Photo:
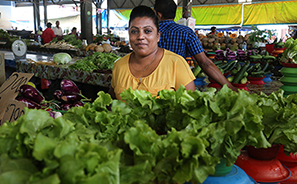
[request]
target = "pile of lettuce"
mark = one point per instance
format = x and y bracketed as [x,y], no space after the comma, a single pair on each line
[170,138]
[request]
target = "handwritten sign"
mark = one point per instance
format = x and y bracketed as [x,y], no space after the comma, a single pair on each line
[10,89]
[13,111]
[2,69]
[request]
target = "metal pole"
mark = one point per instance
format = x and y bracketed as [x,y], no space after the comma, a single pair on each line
[36,15]
[45,12]
[86,20]
[99,17]
[107,12]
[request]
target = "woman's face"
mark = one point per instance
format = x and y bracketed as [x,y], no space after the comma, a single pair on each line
[143,36]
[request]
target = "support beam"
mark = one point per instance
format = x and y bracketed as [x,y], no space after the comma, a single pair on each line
[108,16]
[186,8]
[86,20]
[36,14]
[45,13]
[98,17]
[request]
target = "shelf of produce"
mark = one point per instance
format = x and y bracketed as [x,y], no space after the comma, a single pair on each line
[52,72]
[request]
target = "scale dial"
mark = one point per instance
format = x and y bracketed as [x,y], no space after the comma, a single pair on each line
[19,48]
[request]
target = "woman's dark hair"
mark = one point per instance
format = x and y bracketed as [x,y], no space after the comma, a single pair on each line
[74,28]
[144,11]
[49,25]
[166,7]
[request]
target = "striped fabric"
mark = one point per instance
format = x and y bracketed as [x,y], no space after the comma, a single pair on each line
[179,39]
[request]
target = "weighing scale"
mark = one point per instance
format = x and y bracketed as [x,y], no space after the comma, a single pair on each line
[19,49]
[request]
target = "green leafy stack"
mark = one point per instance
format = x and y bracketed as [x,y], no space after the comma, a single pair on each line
[174,137]
[96,61]
[290,54]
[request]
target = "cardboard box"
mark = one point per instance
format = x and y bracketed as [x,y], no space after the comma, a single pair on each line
[11,109]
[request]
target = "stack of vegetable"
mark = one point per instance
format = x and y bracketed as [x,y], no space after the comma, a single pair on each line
[198,72]
[260,69]
[278,44]
[230,55]
[35,100]
[70,40]
[226,67]
[241,55]
[96,61]
[290,54]
[268,58]
[69,95]
[31,96]
[254,57]
[220,55]
[239,74]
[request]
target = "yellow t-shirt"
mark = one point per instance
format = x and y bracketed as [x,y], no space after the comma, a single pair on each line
[172,71]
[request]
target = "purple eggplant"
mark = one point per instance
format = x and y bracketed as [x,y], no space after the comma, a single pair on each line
[66,106]
[78,103]
[31,93]
[71,97]
[31,104]
[69,86]
[58,94]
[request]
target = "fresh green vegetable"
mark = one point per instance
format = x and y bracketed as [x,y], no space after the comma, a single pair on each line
[241,72]
[96,61]
[196,70]
[62,58]
[290,54]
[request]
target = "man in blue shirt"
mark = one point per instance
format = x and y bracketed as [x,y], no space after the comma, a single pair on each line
[182,40]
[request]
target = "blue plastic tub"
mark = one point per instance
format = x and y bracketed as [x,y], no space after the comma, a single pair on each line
[267,78]
[200,81]
[236,176]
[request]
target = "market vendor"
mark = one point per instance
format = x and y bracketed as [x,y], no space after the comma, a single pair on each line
[182,40]
[149,67]
[48,34]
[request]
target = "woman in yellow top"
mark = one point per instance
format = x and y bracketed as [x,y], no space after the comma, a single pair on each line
[149,67]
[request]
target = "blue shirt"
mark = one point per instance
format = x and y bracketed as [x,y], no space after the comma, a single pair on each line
[179,39]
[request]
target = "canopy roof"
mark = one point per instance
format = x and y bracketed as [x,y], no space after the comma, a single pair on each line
[129,4]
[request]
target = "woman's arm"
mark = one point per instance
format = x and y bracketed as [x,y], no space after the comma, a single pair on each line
[111,92]
[212,70]
[190,86]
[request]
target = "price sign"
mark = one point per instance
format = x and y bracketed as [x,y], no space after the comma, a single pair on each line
[10,89]
[2,69]
[13,111]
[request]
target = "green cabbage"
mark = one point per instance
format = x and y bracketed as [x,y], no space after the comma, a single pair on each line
[62,58]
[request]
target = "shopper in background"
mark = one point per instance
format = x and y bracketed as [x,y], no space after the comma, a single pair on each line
[213,30]
[48,34]
[58,30]
[149,67]
[74,32]
[182,40]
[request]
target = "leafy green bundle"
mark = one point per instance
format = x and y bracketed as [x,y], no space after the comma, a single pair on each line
[96,61]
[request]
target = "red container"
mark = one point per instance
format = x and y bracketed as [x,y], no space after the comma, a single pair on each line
[269,48]
[293,178]
[241,86]
[289,65]
[263,171]
[263,153]
[214,84]
[256,80]
[289,161]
